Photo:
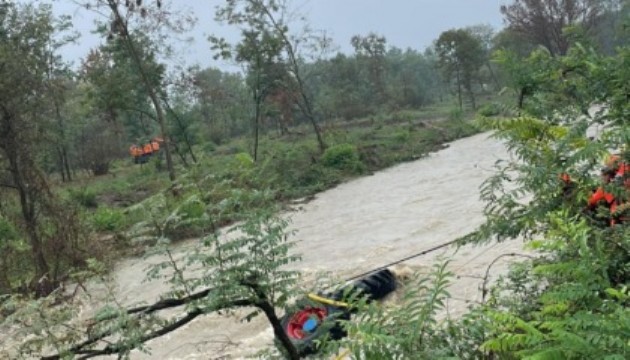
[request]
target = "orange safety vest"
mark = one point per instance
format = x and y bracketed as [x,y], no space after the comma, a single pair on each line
[148,149]
[135,151]
[613,206]
[599,195]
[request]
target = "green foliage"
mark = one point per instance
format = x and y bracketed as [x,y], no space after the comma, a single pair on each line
[7,230]
[456,114]
[409,329]
[291,171]
[244,160]
[14,249]
[571,302]
[241,266]
[85,197]
[240,263]
[488,110]
[460,55]
[107,219]
[343,157]
[535,20]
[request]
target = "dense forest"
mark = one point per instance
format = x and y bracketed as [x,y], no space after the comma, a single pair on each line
[125,154]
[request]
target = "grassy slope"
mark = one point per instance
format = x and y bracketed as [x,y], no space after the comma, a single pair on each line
[227,182]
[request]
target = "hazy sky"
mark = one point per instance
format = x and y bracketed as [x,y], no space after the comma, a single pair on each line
[404,23]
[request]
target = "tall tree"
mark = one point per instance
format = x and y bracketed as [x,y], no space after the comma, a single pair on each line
[273,15]
[260,53]
[341,90]
[460,57]
[60,81]
[119,99]
[25,31]
[372,49]
[543,22]
[147,17]
[119,28]
[485,35]
[220,100]
[412,79]
[261,50]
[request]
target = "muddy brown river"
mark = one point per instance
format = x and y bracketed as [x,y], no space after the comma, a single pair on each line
[357,226]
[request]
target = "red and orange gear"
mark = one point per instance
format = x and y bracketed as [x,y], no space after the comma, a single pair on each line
[147,149]
[601,195]
[135,151]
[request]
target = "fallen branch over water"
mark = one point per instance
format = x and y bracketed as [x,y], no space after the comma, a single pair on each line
[84,348]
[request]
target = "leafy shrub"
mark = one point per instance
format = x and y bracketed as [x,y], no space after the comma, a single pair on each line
[488,110]
[188,219]
[7,230]
[403,116]
[343,157]
[86,197]
[285,165]
[191,209]
[209,147]
[407,331]
[402,136]
[244,160]
[106,219]
[456,114]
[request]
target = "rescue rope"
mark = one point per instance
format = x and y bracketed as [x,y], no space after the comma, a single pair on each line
[324,300]
[402,260]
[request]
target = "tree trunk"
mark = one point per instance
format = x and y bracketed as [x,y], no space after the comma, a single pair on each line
[459,92]
[145,79]
[5,283]
[493,75]
[278,331]
[258,101]
[185,135]
[471,94]
[62,169]
[263,304]
[306,107]
[521,97]
[162,122]
[20,165]
[63,154]
[66,163]
[42,284]
[181,156]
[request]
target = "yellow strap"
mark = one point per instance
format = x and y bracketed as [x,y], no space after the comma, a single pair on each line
[327,301]
[343,355]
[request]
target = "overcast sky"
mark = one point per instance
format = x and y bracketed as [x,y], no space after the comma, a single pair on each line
[404,23]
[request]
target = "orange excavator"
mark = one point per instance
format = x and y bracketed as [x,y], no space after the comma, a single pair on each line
[142,153]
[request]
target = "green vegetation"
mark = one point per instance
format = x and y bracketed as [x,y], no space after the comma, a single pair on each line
[237,147]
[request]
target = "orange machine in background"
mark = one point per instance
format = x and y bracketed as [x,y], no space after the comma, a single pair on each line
[142,153]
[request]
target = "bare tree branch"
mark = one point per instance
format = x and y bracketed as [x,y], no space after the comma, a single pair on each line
[113,348]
